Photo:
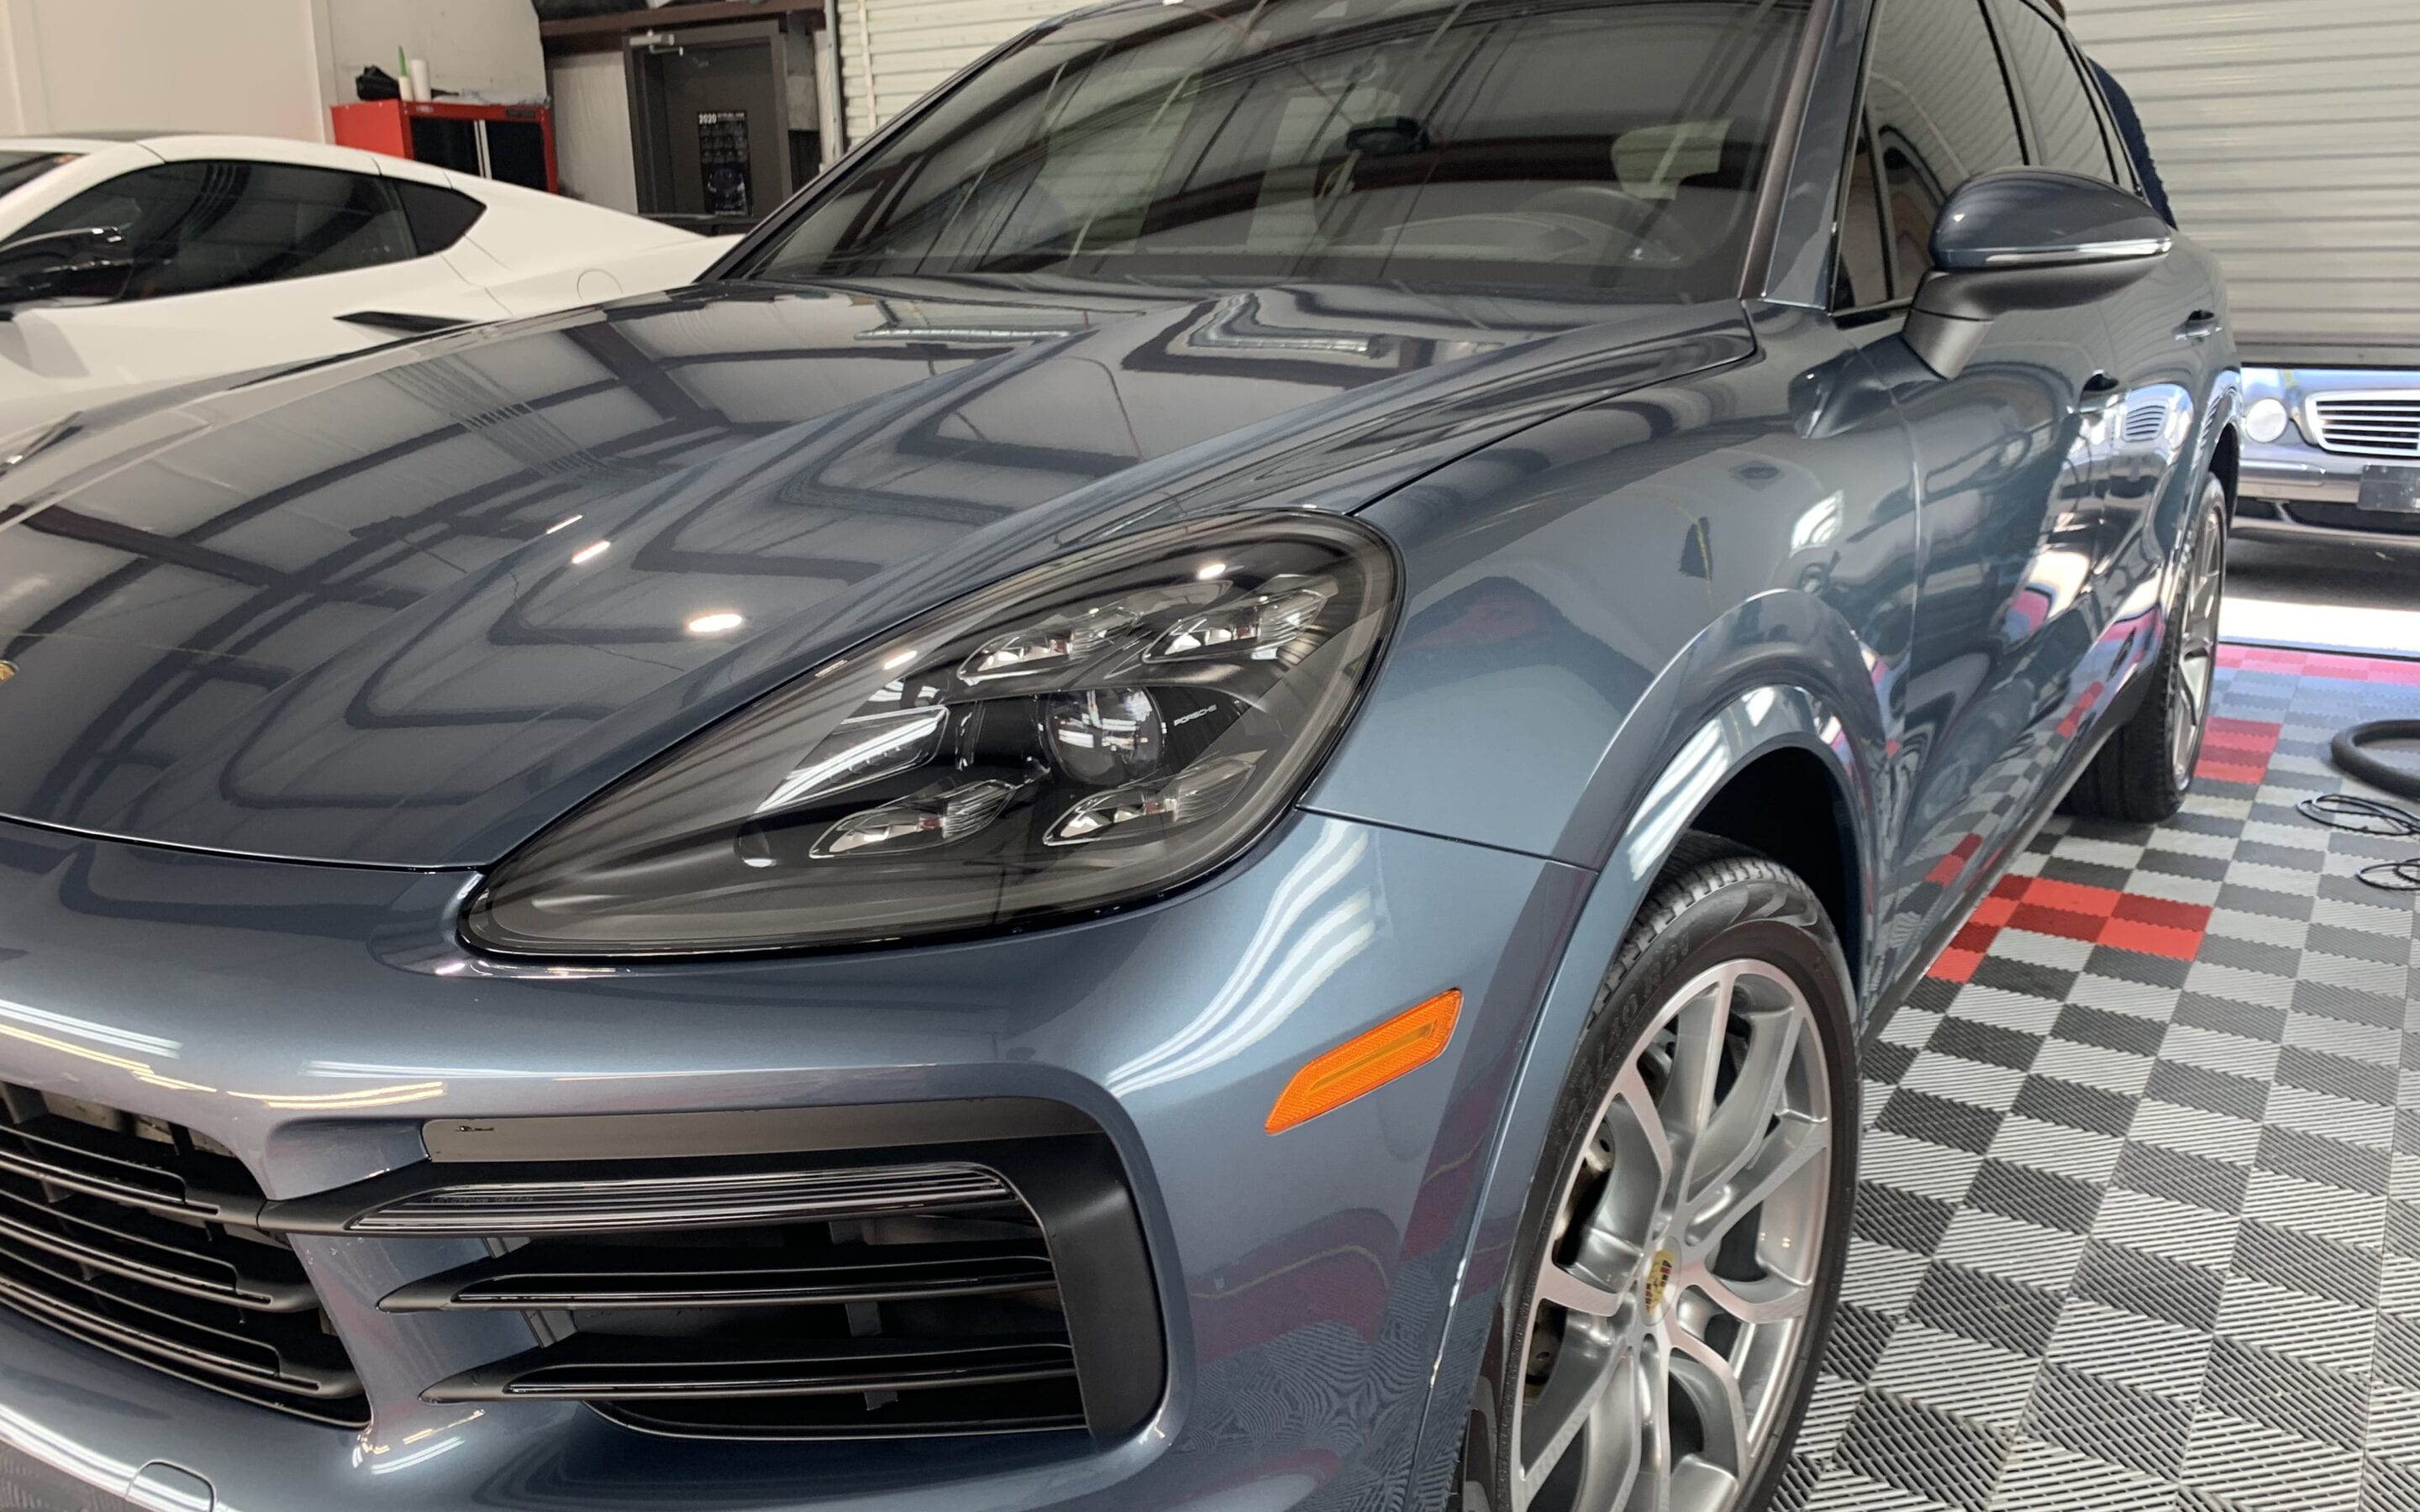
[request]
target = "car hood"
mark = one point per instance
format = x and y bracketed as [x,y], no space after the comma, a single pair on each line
[405,608]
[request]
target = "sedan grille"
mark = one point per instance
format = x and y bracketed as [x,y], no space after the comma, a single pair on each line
[2367,425]
[136,1236]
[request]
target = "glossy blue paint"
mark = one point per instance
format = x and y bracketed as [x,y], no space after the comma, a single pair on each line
[406,611]
[297,660]
[311,1017]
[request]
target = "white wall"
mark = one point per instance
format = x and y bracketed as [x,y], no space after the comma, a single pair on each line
[2289,139]
[16,115]
[591,129]
[249,66]
[481,48]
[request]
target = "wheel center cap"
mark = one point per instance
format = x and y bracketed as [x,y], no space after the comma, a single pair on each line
[1659,1280]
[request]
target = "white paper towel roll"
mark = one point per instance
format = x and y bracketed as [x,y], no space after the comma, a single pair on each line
[419,70]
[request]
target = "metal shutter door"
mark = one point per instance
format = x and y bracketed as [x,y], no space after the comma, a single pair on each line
[893,52]
[2290,138]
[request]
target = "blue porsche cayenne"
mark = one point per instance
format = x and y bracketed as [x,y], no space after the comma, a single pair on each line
[1189,800]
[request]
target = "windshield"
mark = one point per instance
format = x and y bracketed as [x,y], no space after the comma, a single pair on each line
[20,168]
[1610,144]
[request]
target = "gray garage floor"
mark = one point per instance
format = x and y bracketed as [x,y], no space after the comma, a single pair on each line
[2139,1223]
[2348,597]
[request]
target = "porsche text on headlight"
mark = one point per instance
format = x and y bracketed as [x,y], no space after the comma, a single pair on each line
[1091,732]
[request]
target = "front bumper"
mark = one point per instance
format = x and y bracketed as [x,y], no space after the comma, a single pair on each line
[2294,492]
[311,1018]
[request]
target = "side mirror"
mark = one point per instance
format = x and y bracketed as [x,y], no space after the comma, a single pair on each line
[85,262]
[2028,239]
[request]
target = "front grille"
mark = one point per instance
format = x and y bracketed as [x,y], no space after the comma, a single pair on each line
[879,1323]
[2367,425]
[908,1293]
[136,1236]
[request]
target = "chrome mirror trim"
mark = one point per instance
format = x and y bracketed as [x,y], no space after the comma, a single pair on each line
[2084,254]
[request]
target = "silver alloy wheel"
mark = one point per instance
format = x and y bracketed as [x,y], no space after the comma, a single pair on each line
[1672,1300]
[2197,674]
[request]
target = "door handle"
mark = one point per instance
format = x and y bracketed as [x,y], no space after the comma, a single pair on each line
[2100,397]
[2200,326]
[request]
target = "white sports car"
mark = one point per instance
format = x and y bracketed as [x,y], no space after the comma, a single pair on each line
[127,262]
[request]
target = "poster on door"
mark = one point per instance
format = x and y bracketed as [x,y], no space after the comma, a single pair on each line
[723,161]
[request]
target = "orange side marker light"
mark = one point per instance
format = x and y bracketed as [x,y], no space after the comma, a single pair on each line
[1368,1061]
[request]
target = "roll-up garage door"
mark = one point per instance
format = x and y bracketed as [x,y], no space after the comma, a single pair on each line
[2288,133]
[893,51]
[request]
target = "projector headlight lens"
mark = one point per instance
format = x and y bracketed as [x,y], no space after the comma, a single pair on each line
[1093,733]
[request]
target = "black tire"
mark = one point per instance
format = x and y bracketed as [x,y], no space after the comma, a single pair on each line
[2137,778]
[1715,902]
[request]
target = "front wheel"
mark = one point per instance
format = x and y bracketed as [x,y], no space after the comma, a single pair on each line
[1681,1250]
[2142,775]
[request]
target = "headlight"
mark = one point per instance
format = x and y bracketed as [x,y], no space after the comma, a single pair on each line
[2265,421]
[1092,733]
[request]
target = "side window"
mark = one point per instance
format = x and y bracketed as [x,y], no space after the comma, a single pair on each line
[1861,276]
[1941,113]
[2066,128]
[438,216]
[195,226]
[2129,177]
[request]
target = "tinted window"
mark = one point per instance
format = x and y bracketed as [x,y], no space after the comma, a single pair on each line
[18,169]
[2066,130]
[2130,175]
[192,226]
[1941,114]
[1531,140]
[1862,276]
[438,216]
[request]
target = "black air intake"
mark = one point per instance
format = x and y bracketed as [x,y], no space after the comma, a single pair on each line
[978,1286]
[137,1237]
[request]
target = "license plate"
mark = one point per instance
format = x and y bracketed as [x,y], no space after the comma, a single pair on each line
[2391,490]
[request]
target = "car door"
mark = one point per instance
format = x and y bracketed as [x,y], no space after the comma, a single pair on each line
[233,263]
[2009,466]
[2162,330]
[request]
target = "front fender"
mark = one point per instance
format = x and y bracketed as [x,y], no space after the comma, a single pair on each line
[1582,597]
[1746,726]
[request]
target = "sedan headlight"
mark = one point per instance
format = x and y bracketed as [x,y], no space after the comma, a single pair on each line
[1089,733]
[2265,420]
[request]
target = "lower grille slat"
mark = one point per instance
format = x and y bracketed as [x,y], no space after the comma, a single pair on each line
[641,1203]
[586,1367]
[614,1277]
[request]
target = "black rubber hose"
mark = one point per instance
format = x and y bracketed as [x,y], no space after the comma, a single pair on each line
[2384,774]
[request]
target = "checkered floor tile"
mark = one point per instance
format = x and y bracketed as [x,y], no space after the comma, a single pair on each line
[2138,1226]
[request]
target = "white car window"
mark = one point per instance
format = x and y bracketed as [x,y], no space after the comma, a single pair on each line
[198,226]
[438,216]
